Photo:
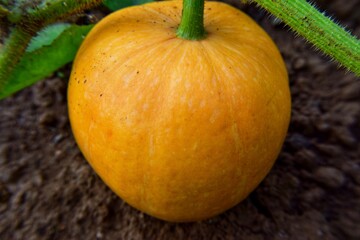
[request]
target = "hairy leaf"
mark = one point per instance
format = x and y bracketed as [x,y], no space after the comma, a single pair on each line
[45,55]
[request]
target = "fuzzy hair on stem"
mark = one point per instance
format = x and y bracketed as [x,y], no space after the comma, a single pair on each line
[306,20]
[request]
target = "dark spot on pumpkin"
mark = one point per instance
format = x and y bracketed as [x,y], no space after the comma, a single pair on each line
[85,81]
[101,95]
[209,9]
[137,72]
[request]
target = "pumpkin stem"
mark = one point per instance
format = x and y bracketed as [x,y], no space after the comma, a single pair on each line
[192,20]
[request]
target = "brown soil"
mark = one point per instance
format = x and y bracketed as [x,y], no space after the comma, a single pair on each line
[48,190]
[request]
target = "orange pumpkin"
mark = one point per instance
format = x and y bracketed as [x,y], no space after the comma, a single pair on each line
[182,130]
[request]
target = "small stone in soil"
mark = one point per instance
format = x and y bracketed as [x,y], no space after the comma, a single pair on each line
[330,150]
[299,63]
[330,177]
[47,119]
[306,158]
[58,138]
[313,195]
[344,136]
[13,174]
[351,92]
[298,141]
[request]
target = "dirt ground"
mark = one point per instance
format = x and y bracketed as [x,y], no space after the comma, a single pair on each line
[49,191]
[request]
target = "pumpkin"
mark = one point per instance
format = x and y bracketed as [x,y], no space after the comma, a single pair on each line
[181,130]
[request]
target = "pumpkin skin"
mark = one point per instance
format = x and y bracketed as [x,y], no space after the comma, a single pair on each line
[181,130]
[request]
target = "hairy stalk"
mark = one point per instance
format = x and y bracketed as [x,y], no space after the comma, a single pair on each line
[12,51]
[320,30]
[59,9]
[28,25]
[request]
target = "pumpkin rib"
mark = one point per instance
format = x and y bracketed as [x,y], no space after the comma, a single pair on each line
[219,59]
[224,88]
[154,119]
[234,125]
[151,135]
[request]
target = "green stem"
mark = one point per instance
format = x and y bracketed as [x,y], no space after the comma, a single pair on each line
[12,51]
[28,25]
[192,20]
[313,25]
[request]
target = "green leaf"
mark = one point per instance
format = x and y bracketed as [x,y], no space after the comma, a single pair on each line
[47,55]
[114,5]
[47,36]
